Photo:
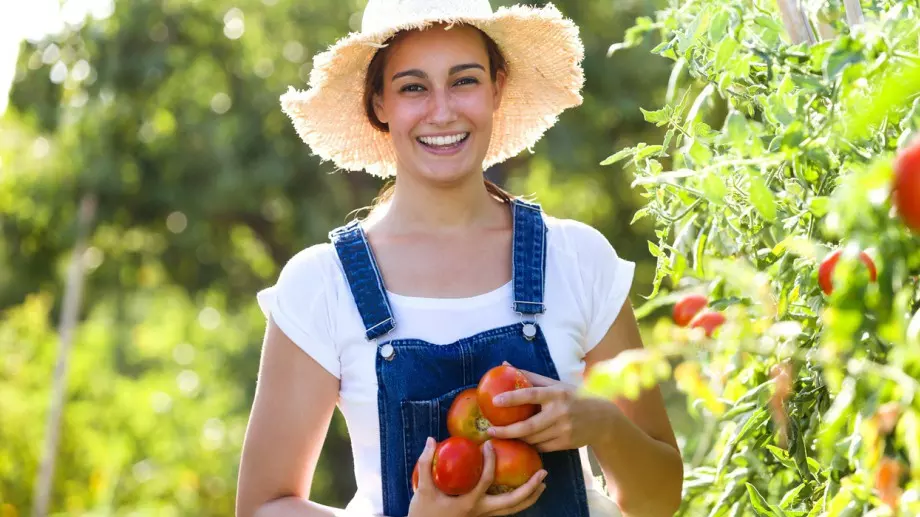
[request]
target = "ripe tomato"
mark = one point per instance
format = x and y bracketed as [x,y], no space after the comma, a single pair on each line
[826,269]
[888,481]
[708,321]
[906,189]
[465,419]
[499,380]
[687,307]
[515,463]
[456,466]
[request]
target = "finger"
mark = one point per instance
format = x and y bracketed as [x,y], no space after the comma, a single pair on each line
[552,445]
[535,424]
[536,395]
[550,433]
[527,503]
[488,470]
[502,502]
[424,465]
[539,380]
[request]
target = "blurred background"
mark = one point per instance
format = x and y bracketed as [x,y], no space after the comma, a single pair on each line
[164,117]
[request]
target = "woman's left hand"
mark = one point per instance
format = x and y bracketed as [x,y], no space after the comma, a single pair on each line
[565,421]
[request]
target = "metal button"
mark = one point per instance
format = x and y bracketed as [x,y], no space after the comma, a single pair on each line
[530,331]
[387,352]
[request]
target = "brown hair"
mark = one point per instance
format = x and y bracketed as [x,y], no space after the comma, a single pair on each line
[373,85]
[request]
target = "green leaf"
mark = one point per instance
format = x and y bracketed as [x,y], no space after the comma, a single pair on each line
[619,156]
[719,26]
[761,506]
[725,52]
[699,153]
[646,151]
[657,117]
[714,188]
[819,205]
[762,198]
[790,498]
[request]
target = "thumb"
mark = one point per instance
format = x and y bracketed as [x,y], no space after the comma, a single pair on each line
[424,481]
[488,470]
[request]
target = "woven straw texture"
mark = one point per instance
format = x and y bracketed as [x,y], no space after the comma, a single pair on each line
[542,49]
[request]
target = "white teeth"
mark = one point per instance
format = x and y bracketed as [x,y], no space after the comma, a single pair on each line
[442,140]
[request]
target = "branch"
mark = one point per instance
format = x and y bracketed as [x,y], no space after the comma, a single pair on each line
[71,308]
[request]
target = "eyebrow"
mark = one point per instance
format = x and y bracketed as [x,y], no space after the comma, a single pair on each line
[422,75]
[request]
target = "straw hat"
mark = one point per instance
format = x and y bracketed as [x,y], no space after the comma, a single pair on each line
[543,53]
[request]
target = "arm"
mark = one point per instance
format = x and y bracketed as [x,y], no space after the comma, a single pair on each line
[290,417]
[645,477]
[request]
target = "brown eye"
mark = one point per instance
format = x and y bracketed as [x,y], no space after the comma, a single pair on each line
[412,88]
[467,80]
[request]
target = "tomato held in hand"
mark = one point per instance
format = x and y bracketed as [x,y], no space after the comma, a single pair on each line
[515,463]
[826,269]
[687,307]
[456,466]
[708,321]
[499,380]
[906,189]
[465,419]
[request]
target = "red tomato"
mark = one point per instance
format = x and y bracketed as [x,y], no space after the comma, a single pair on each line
[687,307]
[456,466]
[465,419]
[906,190]
[515,463]
[499,380]
[708,321]
[826,269]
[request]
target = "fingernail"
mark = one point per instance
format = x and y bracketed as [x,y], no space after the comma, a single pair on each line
[489,445]
[543,475]
[490,431]
[506,363]
[498,400]
[429,442]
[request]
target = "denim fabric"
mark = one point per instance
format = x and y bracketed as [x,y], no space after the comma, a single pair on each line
[417,380]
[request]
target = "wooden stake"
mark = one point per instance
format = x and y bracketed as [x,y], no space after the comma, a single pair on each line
[70,310]
[854,13]
[795,21]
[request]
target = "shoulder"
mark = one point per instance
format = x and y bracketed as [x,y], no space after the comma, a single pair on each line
[575,237]
[312,266]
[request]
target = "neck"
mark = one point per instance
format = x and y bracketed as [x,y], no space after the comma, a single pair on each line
[417,206]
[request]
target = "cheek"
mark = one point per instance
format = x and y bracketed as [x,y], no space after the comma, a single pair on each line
[404,115]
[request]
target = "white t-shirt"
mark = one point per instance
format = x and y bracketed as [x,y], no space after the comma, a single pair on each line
[586,285]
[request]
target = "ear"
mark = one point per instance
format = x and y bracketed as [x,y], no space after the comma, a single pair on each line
[378,108]
[498,88]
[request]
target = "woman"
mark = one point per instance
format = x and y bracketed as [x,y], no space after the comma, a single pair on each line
[448,277]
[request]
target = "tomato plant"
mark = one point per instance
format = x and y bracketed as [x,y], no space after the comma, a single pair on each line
[499,380]
[709,321]
[774,155]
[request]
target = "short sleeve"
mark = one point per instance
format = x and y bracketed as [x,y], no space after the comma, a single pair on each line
[299,303]
[607,280]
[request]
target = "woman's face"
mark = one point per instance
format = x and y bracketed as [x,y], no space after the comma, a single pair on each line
[438,100]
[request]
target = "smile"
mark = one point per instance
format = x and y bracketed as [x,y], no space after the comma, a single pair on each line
[446,143]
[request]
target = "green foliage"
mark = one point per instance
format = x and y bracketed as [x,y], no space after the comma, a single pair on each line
[789,390]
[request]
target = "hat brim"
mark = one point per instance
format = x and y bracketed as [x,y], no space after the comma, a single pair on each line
[543,52]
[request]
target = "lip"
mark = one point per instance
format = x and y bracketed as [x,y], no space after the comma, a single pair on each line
[449,151]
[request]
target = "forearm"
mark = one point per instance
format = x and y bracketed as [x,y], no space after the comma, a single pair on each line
[297,507]
[645,474]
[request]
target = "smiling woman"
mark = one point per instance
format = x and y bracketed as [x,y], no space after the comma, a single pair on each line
[416,85]
[402,312]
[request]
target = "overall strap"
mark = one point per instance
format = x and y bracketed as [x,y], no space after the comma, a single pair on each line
[364,279]
[529,258]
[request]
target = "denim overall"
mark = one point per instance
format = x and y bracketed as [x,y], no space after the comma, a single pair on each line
[417,380]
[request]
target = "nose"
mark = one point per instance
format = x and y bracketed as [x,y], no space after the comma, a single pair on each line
[441,109]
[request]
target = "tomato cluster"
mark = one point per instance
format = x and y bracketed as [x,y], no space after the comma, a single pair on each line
[458,461]
[691,310]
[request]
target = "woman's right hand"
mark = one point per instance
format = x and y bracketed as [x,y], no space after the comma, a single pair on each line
[428,500]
